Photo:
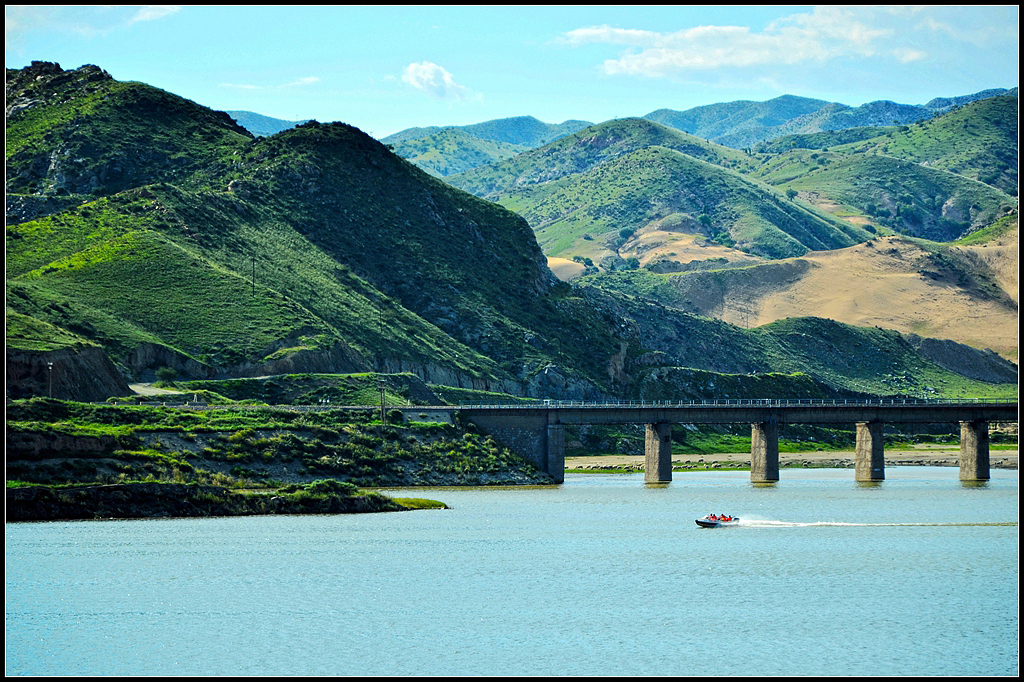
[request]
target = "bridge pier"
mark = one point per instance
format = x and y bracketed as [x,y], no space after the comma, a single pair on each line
[658,453]
[870,457]
[974,451]
[555,452]
[764,452]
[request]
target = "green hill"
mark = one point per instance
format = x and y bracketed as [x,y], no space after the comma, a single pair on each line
[977,140]
[82,133]
[525,131]
[455,149]
[737,124]
[744,124]
[910,198]
[450,151]
[261,125]
[583,150]
[618,176]
[637,189]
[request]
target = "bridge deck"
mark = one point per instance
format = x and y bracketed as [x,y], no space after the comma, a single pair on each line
[757,411]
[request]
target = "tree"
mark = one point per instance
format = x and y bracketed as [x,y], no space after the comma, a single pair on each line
[166,374]
[791,193]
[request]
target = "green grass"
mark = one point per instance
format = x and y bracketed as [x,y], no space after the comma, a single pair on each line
[1002,227]
[27,333]
[235,447]
[912,199]
[419,503]
[637,188]
[977,141]
[454,151]
[312,389]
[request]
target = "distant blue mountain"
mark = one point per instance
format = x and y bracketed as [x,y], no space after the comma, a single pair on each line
[260,125]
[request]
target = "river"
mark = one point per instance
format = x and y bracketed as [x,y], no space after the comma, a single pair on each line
[917,575]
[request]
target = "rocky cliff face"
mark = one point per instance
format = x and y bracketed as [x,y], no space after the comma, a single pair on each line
[77,373]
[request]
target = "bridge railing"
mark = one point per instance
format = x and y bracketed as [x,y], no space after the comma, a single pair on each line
[736,402]
[594,404]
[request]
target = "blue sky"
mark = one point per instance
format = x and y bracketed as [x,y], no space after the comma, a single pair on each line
[384,69]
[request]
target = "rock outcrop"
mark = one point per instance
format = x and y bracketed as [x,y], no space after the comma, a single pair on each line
[83,373]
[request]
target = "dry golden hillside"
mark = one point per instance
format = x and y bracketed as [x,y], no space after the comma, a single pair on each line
[882,285]
[565,269]
[889,282]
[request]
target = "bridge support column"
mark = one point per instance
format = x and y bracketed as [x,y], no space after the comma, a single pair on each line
[870,457]
[764,452]
[658,454]
[556,452]
[974,451]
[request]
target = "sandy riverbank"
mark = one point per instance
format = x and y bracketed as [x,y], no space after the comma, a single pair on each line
[923,455]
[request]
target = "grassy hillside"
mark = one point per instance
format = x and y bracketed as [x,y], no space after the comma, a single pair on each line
[631,191]
[737,124]
[745,124]
[83,133]
[455,149]
[27,333]
[317,246]
[846,358]
[907,197]
[524,131]
[963,293]
[581,151]
[451,151]
[977,140]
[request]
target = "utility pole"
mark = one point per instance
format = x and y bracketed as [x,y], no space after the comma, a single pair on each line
[254,276]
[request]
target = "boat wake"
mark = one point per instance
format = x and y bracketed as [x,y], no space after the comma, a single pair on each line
[767,523]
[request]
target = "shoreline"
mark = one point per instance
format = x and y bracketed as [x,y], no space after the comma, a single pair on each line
[181,500]
[928,455]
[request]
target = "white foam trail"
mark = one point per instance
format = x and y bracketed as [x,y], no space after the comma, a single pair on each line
[768,523]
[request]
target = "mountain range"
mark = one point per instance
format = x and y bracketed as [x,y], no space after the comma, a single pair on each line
[741,125]
[162,234]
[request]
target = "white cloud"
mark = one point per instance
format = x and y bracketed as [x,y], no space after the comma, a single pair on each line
[88,21]
[153,12]
[433,79]
[306,80]
[826,33]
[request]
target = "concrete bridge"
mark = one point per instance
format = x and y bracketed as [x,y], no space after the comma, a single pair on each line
[538,431]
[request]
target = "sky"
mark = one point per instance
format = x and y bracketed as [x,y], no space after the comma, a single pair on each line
[386,68]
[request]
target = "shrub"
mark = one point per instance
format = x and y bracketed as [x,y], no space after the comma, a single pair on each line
[166,374]
[330,485]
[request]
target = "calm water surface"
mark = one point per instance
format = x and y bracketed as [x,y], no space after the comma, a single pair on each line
[602,575]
